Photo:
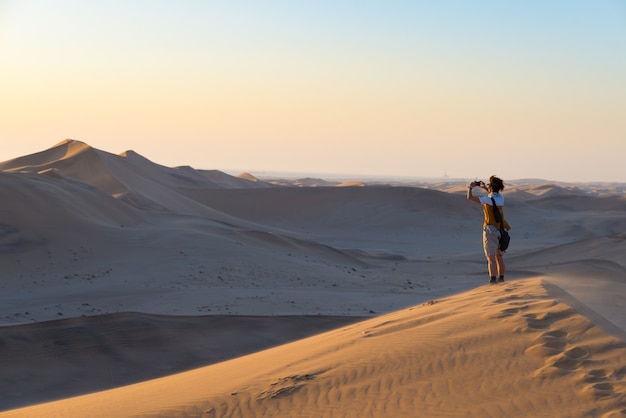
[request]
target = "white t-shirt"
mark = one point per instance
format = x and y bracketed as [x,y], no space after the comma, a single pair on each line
[486,200]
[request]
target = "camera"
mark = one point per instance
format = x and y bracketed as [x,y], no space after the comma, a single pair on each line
[476,183]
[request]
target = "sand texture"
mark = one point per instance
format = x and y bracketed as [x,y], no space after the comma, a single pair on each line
[132,289]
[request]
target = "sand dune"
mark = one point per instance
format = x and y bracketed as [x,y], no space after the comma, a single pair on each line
[510,350]
[80,161]
[123,255]
[62,358]
[128,173]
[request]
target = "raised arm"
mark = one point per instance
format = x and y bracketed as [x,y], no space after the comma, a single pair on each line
[470,196]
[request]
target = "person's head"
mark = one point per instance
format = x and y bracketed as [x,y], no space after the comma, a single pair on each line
[496,184]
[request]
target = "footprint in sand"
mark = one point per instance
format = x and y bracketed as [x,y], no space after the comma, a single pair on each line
[563,362]
[503,313]
[513,311]
[615,414]
[564,358]
[599,390]
[577,353]
[512,286]
[515,299]
[556,334]
[520,303]
[601,386]
[538,321]
[515,304]
[548,348]
[553,346]
[508,299]
[595,376]
[550,343]
[603,389]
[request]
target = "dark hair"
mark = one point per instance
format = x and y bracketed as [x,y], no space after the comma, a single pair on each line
[496,183]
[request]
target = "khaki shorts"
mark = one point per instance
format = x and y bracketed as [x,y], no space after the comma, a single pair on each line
[491,241]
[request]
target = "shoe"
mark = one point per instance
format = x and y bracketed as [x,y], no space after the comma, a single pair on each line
[492,281]
[500,280]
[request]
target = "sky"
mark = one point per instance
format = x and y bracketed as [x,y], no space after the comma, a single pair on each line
[521,89]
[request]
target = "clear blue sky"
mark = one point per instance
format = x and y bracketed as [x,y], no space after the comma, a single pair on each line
[412,88]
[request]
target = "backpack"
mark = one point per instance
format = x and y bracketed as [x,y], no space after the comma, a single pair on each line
[505,238]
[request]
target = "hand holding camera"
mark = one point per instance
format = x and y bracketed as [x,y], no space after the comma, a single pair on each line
[477,183]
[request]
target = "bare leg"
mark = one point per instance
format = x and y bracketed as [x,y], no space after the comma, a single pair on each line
[493,265]
[500,264]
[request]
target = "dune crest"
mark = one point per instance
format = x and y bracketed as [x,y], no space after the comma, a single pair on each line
[127,173]
[248,176]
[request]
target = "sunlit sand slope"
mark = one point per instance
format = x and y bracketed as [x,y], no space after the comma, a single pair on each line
[511,350]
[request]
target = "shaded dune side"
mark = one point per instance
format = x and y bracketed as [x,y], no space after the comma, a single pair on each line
[38,202]
[307,247]
[607,251]
[102,352]
[511,350]
[130,177]
[343,206]
[578,202]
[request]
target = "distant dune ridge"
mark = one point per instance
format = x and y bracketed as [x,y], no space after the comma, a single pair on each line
[115,269]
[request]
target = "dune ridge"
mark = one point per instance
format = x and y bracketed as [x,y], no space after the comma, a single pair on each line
[513,350]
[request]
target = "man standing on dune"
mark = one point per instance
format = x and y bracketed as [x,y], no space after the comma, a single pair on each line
[491,228]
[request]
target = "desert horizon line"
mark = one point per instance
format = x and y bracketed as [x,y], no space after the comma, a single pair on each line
[330,175]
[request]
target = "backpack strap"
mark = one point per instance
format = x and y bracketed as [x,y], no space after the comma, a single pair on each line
[496,213]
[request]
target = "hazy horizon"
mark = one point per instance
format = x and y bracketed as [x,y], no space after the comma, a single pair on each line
[343,177]
[395,89]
